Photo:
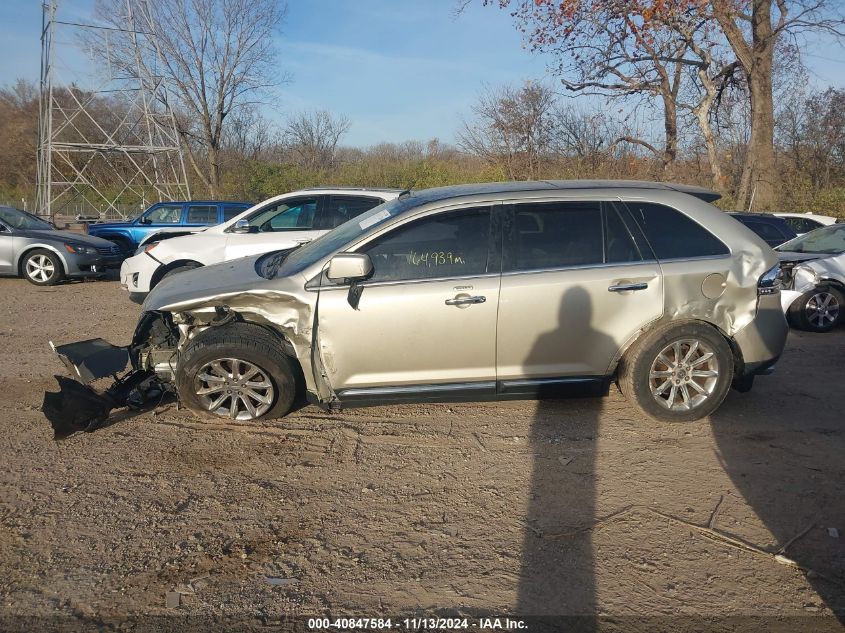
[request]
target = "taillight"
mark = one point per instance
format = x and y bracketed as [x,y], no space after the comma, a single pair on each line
[771,281]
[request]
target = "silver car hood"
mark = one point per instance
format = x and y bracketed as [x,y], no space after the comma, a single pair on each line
[211,284]
[792,256]
[64,236]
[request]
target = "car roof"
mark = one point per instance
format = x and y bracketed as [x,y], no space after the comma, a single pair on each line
[802,214]
[769,217]
[345,188]
[413,199]
[201,202]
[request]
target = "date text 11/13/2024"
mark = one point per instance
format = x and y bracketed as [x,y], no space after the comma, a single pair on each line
[414,624]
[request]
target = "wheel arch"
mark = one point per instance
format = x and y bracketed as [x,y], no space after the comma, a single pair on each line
[655,326]
[32,247]
[161,271]
[287,346]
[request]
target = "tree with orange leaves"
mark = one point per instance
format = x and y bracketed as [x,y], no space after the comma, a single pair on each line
[628,47]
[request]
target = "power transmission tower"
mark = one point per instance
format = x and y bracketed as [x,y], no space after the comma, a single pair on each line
[111,144]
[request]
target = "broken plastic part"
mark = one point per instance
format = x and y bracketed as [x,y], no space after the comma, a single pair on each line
[354,296]
[92,359]
[77,407]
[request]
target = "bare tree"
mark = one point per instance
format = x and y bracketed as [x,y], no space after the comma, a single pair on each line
[512,128]
[313,137]
[215,53]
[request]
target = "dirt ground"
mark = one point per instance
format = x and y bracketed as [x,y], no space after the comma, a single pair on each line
[557,507]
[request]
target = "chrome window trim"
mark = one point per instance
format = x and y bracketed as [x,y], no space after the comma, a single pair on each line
[374,284]
[670,260]
[577,267]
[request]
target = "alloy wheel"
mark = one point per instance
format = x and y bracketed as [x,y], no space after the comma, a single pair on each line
[40,268]
[822,309]
[684,375]
[234,388]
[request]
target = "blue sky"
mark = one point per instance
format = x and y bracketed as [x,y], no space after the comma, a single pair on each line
[399,69]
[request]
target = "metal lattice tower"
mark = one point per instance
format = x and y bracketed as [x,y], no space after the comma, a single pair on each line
[113,144]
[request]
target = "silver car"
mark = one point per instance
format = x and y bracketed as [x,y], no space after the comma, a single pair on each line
[41,254]
[516,290]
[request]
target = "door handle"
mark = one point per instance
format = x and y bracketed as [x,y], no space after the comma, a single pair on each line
[303,241]
[627,287]
[462,301]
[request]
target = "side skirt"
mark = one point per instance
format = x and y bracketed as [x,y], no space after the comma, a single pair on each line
[534,389]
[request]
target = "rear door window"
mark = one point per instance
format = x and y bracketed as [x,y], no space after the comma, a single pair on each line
[202,214]
[801,225]
[293,214]
[566,234]
[230,212]
[555,235]
[768,232]
[451,244]
[339,209]
[673,235]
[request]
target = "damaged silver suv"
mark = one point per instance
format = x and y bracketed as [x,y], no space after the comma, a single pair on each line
[516,290]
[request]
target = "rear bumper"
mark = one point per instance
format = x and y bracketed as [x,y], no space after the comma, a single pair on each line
[761,342]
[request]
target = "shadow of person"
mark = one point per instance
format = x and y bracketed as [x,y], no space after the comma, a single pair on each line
[782,445]
[557,575]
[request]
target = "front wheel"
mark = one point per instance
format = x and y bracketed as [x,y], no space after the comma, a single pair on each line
[236,371]
[179,269]
[817,310]
[42,268]
[679,374]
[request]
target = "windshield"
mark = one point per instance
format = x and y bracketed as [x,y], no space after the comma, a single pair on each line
[23,220]
[828,240]
[337,238]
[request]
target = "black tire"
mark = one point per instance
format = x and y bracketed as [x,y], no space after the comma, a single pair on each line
[807,312]
[42,267]
[637,383]
[248,343]
[177,270]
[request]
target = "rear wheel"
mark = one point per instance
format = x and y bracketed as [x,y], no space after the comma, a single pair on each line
[818,310]
[678,374]
[236,371]
[42,267]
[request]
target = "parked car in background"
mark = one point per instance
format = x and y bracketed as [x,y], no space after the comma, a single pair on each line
[167,217]
[516,290]
[35,250]
[281,222]
[773,230]
[803,223]
[813,296]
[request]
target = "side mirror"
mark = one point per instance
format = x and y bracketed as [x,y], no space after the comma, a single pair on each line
[241,226]
[143,220]
[351,266]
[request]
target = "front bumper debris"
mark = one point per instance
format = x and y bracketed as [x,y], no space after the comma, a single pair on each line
[79,407]
[92,359]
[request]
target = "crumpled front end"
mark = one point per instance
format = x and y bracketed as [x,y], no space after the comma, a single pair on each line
[161,336]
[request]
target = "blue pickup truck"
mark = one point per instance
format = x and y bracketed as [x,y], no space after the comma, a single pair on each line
[167,217]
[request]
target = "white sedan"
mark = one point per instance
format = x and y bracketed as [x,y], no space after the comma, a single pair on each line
[813,293]
[285,221]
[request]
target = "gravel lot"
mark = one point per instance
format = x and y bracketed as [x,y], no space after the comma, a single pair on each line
[557,507]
